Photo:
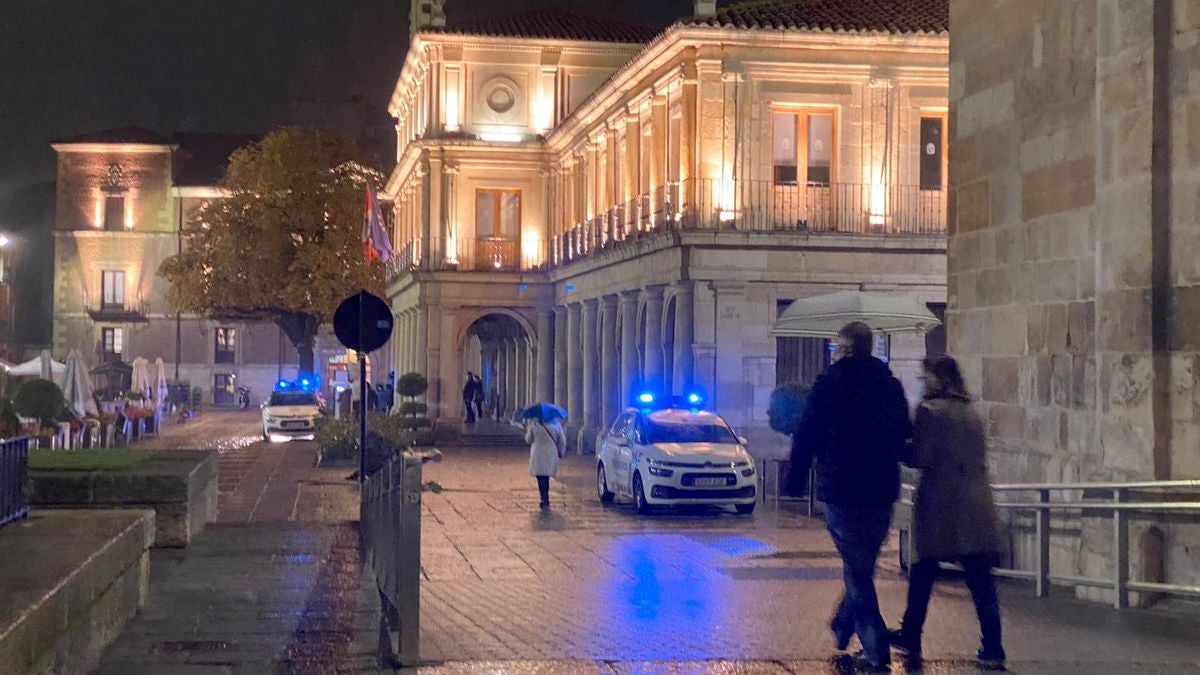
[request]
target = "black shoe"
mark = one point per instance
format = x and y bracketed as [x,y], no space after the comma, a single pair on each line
[865,664]
[990,659]
[904,644]
[545,504]
[841,637]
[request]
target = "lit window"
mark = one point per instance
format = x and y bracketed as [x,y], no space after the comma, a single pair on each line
[112,289]
[803,140]
[497,213]
[226,342]
[113,341]
[932,152]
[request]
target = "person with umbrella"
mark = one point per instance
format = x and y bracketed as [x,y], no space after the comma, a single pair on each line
[547,444]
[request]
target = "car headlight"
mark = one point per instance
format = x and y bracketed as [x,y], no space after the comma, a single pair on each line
[748,472]
[657,468]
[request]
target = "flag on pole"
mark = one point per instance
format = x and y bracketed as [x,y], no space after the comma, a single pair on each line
[376,243]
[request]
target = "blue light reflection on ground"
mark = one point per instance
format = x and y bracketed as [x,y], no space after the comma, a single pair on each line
[668,585]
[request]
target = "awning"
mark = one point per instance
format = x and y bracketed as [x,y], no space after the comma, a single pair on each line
[823,316]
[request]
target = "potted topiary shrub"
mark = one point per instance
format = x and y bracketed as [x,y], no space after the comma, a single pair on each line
[43,400]
[413,412]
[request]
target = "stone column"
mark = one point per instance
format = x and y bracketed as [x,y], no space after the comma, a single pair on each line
[589,396]
[610,380]
[652,374]
[688,132]
[629,355]
[421,341]
[684,377]
[545,356]
[512,347]
[574,379]
[560,356]
[522,395]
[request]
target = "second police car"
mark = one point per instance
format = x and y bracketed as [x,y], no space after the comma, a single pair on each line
[291,412]
[674,455]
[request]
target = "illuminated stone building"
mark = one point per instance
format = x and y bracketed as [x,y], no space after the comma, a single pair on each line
[121,196]
[585,209]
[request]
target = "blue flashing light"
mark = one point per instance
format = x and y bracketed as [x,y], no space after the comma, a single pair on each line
[306,384]
[282,384]
[645,398]
[694,398]
[570,287]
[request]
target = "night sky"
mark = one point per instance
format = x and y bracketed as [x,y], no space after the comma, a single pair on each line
[70,66]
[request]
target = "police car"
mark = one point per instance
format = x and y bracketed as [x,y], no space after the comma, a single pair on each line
[674,455]
[291,412]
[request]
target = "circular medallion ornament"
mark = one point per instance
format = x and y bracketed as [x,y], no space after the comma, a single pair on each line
[501,98]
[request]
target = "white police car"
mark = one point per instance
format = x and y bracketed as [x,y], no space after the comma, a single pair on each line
[291,412]
[673,456]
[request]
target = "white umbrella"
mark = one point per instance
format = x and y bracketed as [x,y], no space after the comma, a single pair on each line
[35,366]
[77,386]
[141,378]
[823,316]
[160,383]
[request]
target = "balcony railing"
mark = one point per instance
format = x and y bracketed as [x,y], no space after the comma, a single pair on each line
[127,312]
[484,254]
[759,206]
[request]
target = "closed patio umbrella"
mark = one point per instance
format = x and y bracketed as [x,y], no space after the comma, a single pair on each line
[161,390]
[141,378]
[77,386]
[823,316]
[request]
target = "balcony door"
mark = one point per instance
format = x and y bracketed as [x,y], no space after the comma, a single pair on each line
[804,153]
[497,229]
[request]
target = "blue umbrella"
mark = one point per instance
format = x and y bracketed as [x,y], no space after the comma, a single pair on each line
[545,412]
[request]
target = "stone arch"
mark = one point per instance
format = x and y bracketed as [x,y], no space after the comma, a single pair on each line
[497,345]
[668,343]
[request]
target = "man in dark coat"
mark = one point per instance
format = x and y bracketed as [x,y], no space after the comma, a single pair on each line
[468,396]
[854,426]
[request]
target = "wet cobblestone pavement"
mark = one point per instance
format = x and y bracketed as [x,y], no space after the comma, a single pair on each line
[508,588]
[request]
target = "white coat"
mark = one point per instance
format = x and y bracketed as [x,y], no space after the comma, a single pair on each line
[545,440]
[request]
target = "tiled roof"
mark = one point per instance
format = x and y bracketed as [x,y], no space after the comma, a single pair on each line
[201,158]
[849,16]
[129,135]
[559,24]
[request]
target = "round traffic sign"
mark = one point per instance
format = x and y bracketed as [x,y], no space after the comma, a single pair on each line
[363,322]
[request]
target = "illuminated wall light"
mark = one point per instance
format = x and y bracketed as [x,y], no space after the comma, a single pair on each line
[452,250]
[129,199]
[98,210]
[499,137]
[727,199]
[543,113]
[452,117]
[878,204]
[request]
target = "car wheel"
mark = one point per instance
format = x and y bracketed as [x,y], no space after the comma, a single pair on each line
[602,490]
[745,509]
[639,495]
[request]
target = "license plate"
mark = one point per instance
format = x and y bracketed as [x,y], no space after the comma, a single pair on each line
[709,482]
[293,425]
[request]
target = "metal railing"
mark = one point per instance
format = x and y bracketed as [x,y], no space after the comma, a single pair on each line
[391,538]
[14,466]
[1123,501]
[772,478]
[464,254]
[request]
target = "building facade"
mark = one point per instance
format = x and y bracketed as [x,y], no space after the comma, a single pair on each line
[124,200]
[585,210]
[1074,289]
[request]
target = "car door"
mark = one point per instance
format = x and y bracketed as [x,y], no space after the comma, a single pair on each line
[609,452]
[622,446]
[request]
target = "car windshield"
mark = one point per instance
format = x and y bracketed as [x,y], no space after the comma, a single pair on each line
[292,398]
[687,428]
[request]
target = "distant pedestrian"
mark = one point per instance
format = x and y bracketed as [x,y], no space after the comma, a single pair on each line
[547,445]
[954,517]
[480,395]
[855,426]
[468,397]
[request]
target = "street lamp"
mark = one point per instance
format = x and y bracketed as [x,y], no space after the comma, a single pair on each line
[5,240]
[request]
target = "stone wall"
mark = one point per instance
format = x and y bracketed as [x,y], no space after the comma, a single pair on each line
[1072,254]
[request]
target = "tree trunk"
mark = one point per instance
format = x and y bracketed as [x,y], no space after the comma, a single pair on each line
[301,329]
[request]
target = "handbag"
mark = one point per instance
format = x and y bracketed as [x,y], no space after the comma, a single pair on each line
[561,451]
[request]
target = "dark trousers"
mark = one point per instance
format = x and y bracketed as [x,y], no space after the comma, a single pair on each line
[858,534]
[978,569]
[470,410]
[544,488]
[478,407]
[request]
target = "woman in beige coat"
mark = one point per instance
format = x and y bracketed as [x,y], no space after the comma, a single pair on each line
[547,444]
[954,517]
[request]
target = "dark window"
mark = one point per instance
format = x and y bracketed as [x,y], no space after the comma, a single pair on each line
[113,343]
[112,289]
[497,213]
[114,212]
[226,342]
[799,359]
[932,152]
[935,340]
[284,398]
[687,432]
[784,149]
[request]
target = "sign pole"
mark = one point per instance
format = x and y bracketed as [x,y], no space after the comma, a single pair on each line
[362,417]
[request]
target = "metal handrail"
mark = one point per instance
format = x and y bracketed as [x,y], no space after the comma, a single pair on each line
[1121,509]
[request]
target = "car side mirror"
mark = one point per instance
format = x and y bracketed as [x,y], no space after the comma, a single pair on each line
[742,440]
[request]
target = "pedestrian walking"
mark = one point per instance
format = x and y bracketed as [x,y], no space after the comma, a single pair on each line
[480,395]
[468,397]
[954,516]
[547,445]
[855,427]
